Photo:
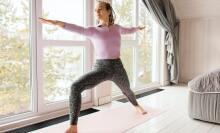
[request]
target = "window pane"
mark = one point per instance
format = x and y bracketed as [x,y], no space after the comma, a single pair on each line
[61,66]
[145,48]
[71,11]
[125,15]
[127,60]
[14,57]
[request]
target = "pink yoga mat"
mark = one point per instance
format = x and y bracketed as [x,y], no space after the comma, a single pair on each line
[114,120]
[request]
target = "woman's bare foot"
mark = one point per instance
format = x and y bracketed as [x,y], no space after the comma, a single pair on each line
[72,129]
[140,110]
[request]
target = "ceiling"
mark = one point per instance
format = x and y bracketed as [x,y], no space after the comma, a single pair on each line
[186,9]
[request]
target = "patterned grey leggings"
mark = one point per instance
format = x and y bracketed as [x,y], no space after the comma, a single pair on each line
[103,69]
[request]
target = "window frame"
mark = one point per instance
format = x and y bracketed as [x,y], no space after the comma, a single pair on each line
[38,111]
[64,43]
[155,57]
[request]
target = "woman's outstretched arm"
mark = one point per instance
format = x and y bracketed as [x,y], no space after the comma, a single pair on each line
[129,30]
[68,26]
[52,22]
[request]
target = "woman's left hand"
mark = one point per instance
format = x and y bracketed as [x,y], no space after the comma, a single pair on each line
[141,27]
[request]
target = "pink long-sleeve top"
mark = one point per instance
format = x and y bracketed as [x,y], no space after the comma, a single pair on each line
[105,40]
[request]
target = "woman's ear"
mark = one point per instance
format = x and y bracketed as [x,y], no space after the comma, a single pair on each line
[109,12]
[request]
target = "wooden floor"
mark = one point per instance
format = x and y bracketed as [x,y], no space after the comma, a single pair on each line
[174,100]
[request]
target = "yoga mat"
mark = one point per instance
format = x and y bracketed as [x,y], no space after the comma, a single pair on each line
[114,120]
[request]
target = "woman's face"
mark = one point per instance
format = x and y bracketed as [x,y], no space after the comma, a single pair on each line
[101,12]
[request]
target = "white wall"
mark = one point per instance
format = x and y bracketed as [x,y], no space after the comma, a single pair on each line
[196,8]
[199,46]
[199,36]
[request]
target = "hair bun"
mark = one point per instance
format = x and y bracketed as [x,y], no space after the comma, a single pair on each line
[106,1]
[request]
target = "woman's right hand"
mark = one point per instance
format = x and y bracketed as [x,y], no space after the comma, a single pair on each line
[52,22]
[46,21]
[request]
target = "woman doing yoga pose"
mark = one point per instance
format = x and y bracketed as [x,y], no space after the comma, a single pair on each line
[106,39]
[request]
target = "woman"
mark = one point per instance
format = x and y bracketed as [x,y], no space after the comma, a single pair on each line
[106,38]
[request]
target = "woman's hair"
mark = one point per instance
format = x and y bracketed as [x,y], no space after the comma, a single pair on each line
[112,15]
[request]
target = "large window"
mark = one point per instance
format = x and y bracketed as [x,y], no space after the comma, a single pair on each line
[62,53]
[138,50]
[15,91]
[64,10]
[145,47]
[62,65]
[38,63]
